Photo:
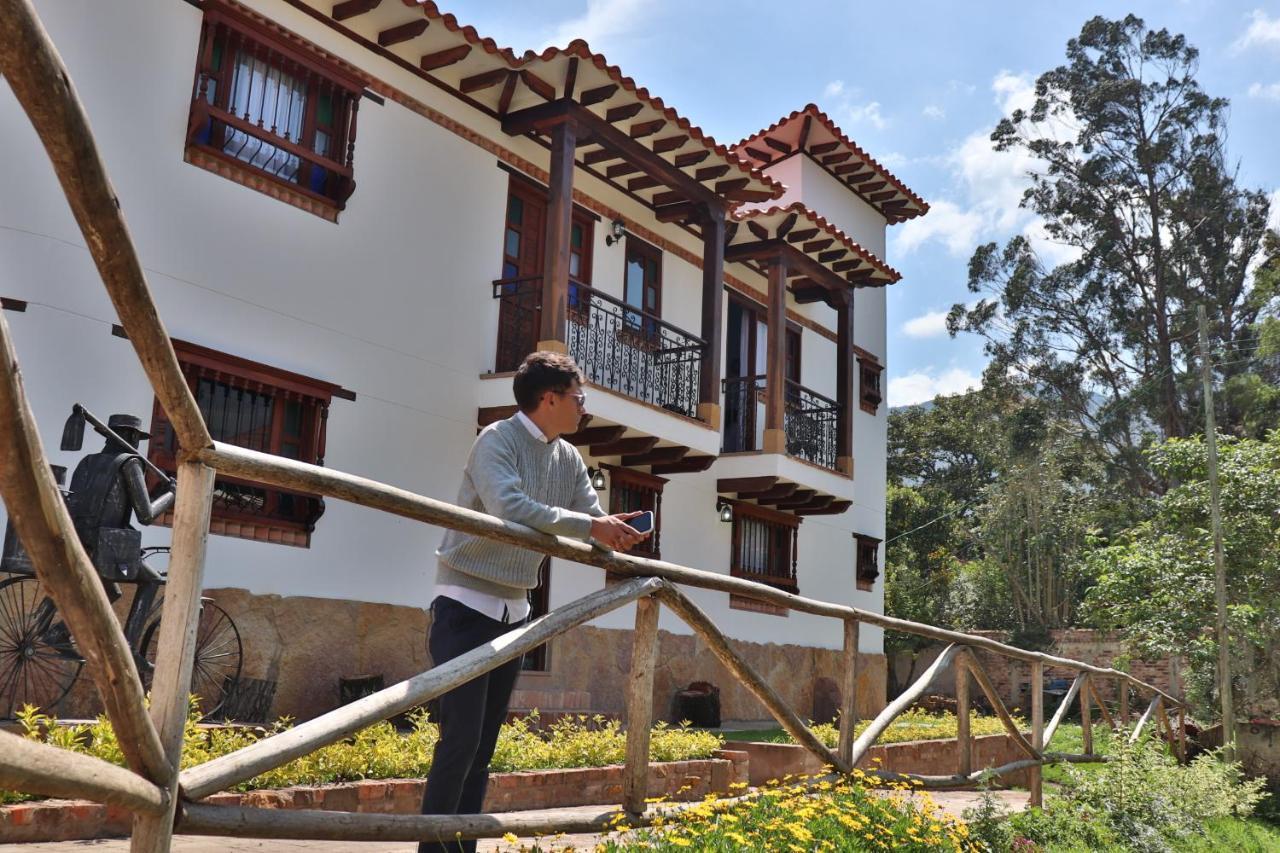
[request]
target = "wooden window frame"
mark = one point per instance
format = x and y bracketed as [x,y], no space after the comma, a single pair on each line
[199,364]
[783,577]
[647,330]
[226,30]
[870,379]
[629,479]
[866,561]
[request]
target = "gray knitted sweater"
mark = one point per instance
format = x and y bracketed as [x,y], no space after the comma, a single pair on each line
[512,475]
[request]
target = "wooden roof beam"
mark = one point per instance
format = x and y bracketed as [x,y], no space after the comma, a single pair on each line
[781,490]
[351,8]
[749,195]
[692,158]
[679,212]
[594,435]
[442,58]
[757,229]
[604,155]
[403,32]
[838,157]
[484,80]
[817,245]
[538,85]
[871,186]
[646,128]
[798,263]
[598,94]
[709,173]
[824,147]
[876,198]
[687,465]
[625,446]
[777,145]
[785,226]
[845,266]
[802,235]
[617,170]
[798,496]
[542,117]
[657,456]
[734,485]
[833,255]
[669,143]
[758,154]
[626,111]
[508,92]
[833,508]
[644,182]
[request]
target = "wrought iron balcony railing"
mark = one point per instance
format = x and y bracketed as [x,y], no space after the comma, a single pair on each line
[618,346]
[810,420]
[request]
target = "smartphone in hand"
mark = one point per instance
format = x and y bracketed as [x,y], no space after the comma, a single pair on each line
[642,523]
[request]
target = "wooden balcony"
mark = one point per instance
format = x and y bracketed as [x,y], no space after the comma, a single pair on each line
[811,421]
[617,346]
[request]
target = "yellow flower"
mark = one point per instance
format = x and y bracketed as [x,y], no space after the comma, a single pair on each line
[680,841]
[510,838]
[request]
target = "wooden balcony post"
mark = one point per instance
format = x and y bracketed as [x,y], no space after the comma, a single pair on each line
[555,269]
[644,654]
[712,311]
[1037,730]
[775,437]
[845,373]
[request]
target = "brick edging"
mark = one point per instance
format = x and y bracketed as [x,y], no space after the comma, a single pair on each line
[76,820]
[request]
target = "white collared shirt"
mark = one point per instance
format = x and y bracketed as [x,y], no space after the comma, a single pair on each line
[513,609]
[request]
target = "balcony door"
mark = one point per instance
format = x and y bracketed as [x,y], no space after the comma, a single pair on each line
[520,290]
[746,347]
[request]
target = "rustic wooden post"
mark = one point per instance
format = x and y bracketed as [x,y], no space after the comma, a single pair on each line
[1182,732]
[1142,721]
[178,626]
[904,701]
[555,263]
[1086,716]
[1124,705]
[644,653]
[964,738]
[775,437]
[712,311]
[845,373]
[1037,730]
[849,690]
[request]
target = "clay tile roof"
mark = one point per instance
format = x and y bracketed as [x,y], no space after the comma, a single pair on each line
[500,82]
[814,131]
[817,238]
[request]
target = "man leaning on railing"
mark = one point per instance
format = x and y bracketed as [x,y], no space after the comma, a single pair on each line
[520,470]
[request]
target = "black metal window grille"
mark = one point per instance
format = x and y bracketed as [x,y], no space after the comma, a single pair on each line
[765,546]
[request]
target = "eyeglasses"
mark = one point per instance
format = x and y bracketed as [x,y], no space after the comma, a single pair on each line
[578,397]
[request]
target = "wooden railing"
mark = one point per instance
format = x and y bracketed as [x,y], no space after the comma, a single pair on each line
[152,787]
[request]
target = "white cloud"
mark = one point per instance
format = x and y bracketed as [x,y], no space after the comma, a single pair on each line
[1273,220]
[947,222]
[924,385]
[929,325]
[603,21]
[935,112]
[847,108]
[1269,92]
[1262,32]
[1013,91]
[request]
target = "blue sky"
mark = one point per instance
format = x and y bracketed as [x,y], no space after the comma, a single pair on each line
[918,84]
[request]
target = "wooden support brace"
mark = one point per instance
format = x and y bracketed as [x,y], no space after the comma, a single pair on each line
[38,768]
[849,692]
[997,704]
[39,516]
[1142,721]
[895,708]
[178,626]
[271,752]
[1063,707]
[719,646]
[644,654]
[1086,716]
[964,736]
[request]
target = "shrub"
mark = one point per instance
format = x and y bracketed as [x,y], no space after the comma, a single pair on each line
[843,814]
[380,752]
[913,725]
[1141,800]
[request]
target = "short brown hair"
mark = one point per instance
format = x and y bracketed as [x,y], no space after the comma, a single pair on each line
[540,372]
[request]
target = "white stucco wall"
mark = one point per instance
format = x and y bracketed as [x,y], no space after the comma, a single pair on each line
[393,303]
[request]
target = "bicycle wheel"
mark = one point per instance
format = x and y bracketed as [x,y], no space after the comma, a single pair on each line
[38,658]
[218,657]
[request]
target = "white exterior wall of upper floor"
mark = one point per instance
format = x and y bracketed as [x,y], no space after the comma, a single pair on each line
[393,302]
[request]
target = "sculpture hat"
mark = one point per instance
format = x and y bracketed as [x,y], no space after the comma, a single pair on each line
[131,423]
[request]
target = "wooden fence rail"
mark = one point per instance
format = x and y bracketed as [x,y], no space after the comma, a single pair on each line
[163,798]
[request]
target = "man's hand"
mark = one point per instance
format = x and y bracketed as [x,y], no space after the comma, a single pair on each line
[612,531]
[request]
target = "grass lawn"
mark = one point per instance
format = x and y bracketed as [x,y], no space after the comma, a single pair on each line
[1238,836]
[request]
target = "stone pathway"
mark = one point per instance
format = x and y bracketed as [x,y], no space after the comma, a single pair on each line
[953,802]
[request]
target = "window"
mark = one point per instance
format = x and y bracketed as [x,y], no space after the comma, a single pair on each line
[282,115]
[263,408]
[764,545]
[636,491]
[869,371]
[868,561]
[642,285]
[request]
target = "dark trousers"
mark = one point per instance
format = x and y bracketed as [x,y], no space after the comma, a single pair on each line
[469,717]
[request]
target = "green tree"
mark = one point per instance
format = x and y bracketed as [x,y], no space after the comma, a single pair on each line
[1133,178]
[1156,584]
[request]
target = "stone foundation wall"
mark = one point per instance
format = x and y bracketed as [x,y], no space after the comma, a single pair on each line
[307,644]
[1012,678]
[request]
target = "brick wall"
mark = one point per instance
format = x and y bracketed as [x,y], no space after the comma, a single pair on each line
[1011,678]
